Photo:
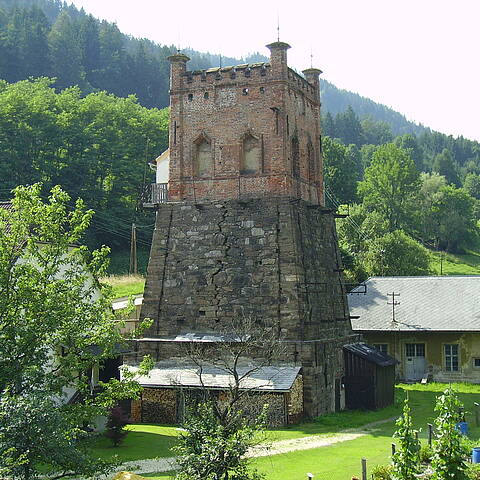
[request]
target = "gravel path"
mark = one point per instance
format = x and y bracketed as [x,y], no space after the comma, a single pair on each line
[153,465]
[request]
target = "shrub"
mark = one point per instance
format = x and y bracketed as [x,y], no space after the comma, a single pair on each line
[473,471]
[426,453]
[406,458]
[382,472]
[450,450]
[115,427]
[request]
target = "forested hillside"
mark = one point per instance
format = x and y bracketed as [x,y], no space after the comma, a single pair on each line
[54,39]
[408,187]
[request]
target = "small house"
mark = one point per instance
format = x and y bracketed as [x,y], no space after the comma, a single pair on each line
[431,325]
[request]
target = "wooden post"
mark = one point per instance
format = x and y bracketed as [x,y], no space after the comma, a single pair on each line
[430,434]
[394,448]
[416,435]
[477,414]
[364,469]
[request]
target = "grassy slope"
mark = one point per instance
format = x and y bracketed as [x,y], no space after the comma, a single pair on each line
[454,264]
[340,461]
[125,285]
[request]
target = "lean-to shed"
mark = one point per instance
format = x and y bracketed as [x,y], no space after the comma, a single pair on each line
[369,377]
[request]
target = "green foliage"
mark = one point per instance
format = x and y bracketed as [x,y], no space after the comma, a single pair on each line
[426,453]
[35,432]
[56,324]
[340,170]
[473,471]
[389,185]
[406,458]
[448,460]
[115,427]
[396,254]
[382,472]
[94,146]
[210,450]
[443,164]
[472,185]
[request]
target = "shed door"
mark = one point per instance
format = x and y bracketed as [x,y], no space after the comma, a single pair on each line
[415,362]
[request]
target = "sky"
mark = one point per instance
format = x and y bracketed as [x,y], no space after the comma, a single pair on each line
[419,57]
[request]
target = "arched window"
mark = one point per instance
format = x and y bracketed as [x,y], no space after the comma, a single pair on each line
[203,157]
[251,155]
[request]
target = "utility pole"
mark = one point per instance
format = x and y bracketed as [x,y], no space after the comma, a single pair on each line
[133,251]
[393,303]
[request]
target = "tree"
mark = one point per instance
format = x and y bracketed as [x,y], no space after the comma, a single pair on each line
[221,428]
[376,133]
[449,451]
[472,185]
[406,460]
[389,185]
[56,325]
[340,170]
[396,254]
[443,164]
[409,143]
[116,423]
[348,128]
[453,214]
[66,53]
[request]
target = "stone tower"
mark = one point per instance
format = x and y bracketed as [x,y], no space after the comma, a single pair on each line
[245,230]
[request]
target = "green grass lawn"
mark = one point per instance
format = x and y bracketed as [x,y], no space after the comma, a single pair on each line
[143,441]
[342,460]
[456,264]
[125,285]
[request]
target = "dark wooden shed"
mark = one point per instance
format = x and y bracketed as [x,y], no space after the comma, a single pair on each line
[369,377]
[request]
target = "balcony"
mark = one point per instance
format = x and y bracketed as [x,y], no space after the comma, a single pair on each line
[154,194]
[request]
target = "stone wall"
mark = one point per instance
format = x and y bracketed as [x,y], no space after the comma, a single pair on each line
[272,259]
[295,401]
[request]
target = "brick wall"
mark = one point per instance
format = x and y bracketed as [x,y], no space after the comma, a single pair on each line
[270,102]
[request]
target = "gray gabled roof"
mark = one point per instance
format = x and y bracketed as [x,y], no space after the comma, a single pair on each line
[266,378]
[370,354]
[425,304]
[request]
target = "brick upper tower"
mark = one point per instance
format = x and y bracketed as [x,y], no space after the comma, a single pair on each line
[245,131]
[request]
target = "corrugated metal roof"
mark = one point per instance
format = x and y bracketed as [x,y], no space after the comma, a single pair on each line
[265,378]
[370,354]
[425,304]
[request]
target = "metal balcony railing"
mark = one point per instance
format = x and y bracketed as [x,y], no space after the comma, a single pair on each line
[155,193]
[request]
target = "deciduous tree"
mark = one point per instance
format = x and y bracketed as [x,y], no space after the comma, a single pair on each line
[56,324]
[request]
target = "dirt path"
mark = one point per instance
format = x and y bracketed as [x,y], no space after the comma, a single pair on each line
[153,465]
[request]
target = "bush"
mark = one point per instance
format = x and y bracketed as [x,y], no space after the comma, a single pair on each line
[382,472]
[473,471]
[115,427]
[426,453]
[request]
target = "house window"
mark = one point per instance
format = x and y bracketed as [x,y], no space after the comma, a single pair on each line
[415,349]
[381,347]
[476,363]
[451,357]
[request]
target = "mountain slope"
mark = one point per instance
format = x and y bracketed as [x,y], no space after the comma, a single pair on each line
[54,39]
